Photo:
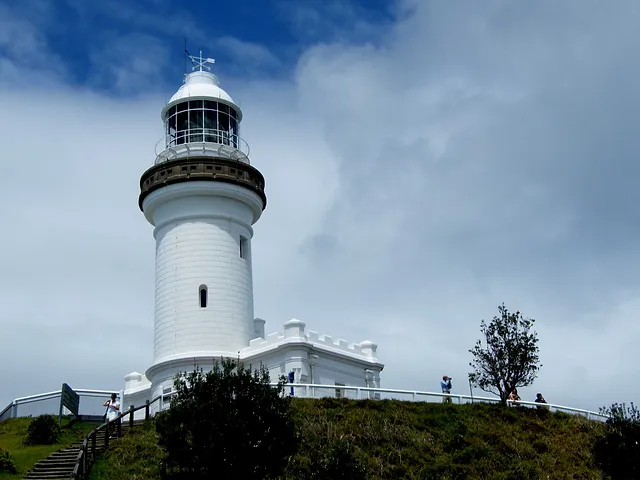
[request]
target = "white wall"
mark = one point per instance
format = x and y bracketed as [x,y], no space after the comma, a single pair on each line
[198,231]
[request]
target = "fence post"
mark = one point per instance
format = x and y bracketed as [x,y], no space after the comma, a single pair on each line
[106,435]
[358,393]
[84,457]
[146,410]
[93,444]
[131,416]
[119,428]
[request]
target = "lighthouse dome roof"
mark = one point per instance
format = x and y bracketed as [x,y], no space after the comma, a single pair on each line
[200,85]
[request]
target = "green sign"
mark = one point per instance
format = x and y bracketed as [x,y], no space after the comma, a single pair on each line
[69,399]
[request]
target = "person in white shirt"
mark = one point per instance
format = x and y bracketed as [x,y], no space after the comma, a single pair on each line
[113,409]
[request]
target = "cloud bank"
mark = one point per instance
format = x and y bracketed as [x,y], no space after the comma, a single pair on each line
[471,155]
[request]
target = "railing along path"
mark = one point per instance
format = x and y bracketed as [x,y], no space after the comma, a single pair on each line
[88,450]
[310,390]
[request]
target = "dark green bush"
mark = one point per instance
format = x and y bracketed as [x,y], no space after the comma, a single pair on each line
[43,430]
[7,464]
[617,451]
[226,423]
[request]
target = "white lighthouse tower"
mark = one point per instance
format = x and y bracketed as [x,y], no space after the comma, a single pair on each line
[203,197]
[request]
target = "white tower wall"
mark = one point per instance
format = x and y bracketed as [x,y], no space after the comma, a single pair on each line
[199,226]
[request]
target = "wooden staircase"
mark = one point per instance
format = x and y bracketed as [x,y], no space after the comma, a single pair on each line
[60,464]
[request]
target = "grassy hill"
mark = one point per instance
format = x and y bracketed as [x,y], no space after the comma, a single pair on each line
[407,440]
[13,431]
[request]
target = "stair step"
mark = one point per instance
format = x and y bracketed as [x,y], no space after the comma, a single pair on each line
[42,474]
[54,464]
[60,464]
[48,474]
[63,469]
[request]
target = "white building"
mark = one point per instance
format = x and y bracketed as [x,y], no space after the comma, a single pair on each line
[203,197]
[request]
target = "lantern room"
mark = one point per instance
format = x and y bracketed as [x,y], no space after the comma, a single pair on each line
[201,119]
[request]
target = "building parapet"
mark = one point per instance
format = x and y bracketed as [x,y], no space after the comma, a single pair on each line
[294,330]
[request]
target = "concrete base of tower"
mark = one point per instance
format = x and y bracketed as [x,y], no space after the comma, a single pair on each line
[313,358]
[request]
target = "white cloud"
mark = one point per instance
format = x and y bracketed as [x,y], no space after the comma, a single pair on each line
[128,63]
[480,154]
[246,53]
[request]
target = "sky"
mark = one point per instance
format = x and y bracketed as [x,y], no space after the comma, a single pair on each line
[425,162]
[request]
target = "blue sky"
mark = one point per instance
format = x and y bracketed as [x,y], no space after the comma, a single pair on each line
[251,39]
[425,161]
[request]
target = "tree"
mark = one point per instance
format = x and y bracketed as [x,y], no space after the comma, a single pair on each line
[227,423]
[509,359]
[618,450]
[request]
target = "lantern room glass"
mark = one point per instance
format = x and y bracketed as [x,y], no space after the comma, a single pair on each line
[202,121]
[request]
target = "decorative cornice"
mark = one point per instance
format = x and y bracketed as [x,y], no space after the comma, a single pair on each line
[212,169]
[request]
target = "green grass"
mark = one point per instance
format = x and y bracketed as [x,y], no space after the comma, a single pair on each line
[407,440]
[135,456]
[13,431]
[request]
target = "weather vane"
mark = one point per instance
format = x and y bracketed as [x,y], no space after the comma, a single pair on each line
[200,63]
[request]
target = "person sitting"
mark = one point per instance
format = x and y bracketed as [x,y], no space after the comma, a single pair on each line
[513,396]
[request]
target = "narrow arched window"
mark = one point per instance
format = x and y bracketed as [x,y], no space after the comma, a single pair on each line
[203,296]
[243,247]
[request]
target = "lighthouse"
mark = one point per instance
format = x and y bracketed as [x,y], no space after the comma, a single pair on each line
[203,195]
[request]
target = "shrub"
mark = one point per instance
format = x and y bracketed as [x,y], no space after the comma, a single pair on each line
[43,430]
[7,464]
[618,450]
[226,423]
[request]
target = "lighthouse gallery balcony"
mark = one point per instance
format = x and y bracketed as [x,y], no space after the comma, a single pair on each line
[202,142]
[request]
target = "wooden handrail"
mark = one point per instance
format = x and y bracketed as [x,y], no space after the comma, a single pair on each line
[84,460]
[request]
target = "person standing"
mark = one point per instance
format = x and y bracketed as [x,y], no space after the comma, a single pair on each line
[291,378]
[445,385]
[113,409]
[540,399]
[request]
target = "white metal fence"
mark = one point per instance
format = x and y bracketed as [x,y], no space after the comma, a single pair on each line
[91,402]
[315,390]
[303,390]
